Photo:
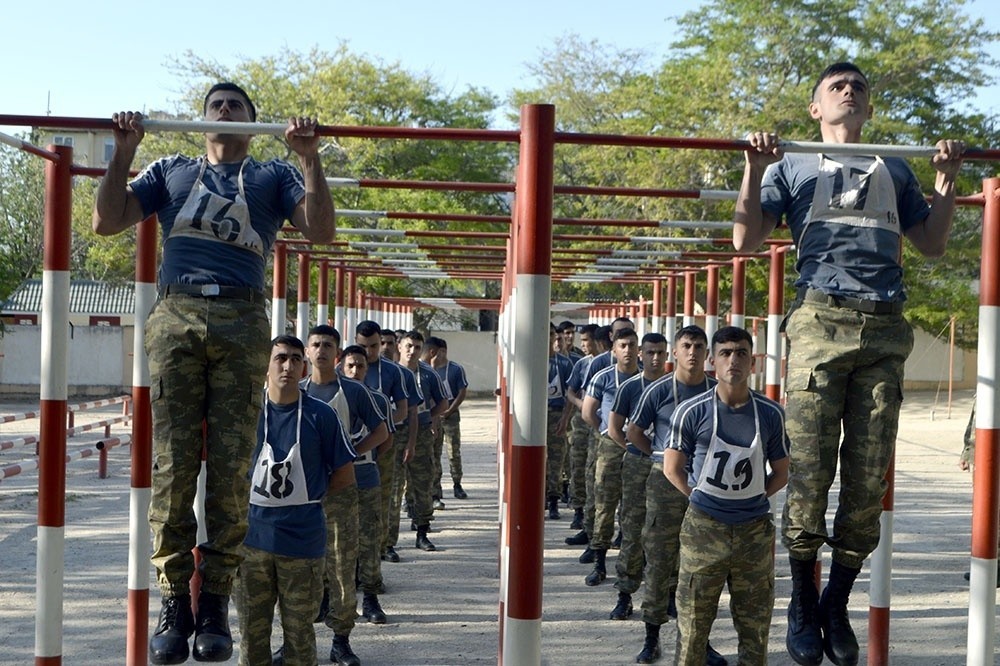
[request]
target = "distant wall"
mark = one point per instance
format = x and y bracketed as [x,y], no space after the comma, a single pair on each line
[100,360]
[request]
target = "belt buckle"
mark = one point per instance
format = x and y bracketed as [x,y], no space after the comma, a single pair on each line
[210,290]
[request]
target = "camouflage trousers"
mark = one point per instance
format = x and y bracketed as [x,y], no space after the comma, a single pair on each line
[449,437]
[420,477]
[388,471]
[665,509]
[628,567]
[590,483]
[845,369]
[296,585]
[607,491]
[341,509]
[712,555]
[556,447]
[580,438]
[207,358]
[398,486]
[370,539]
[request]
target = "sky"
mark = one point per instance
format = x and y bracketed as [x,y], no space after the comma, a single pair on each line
[93,58]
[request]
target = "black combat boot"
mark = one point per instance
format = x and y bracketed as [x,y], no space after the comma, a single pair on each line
[713,658]
[839,641]
[212,640]
[579,539]
[423,543]
[460,492]
[169,643]
[577,523]
[651,648]
[372,610]
[623,609]
[587,556]
[804,640]
[553,508]
[600,572]
[341,652]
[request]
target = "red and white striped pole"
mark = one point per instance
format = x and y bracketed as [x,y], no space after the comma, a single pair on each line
[670,325]
[323,293]
[657,320]
[137,622]
[53,393]
[643,316]
[352,300]
[986,471]
[278,298]
[689,287]
[880,589]
[302,304]
[775,310]
[712,302]
[339,313]
[737,316]
[522,631]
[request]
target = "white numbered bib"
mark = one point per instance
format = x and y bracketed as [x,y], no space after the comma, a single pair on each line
[730,471]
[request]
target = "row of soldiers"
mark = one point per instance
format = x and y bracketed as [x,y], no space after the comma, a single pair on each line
[395,399]
[616,401]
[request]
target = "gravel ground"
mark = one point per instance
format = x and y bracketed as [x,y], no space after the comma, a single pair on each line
[442,606]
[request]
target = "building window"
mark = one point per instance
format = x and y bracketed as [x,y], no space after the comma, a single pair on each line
[63,140]
[109,148]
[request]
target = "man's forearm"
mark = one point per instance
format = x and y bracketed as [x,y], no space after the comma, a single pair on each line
[319,212]
[111,202]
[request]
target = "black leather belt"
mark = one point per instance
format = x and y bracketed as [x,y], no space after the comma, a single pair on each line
[860,304]
[636,451]
[214,291]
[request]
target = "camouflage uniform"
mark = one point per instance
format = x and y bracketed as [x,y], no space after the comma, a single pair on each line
[398,487]
[389,471]
[419,478]
[844,367]
[296,584]
[589,506]
[712,555]
[628,567]
[665,509]
[205,360]
[370,538]
[341,509]
[556,444]
[607,491]
[452,429]
[580,438]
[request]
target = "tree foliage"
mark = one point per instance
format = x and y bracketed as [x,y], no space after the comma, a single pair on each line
[740,65]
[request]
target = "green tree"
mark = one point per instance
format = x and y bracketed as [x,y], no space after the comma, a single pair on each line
[22,197]
[341,88]
[740,65]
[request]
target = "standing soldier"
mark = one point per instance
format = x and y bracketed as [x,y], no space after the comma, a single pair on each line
[558,418]
[453,376]
[665,505]
[635,470]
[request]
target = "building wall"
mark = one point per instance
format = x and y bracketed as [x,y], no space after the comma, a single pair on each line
[100,361]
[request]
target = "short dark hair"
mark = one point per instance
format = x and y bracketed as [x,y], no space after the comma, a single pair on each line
[325,329]
[603,335]
[835,68]
[354,350]
[624,319]
[589,329]
[692,331]
[731,334]
[654,339]
[413,335]
[367,328]
[436,342]
[566,326]
[232,87]
[401,332]
[288,341]
[388,331]
[625,333]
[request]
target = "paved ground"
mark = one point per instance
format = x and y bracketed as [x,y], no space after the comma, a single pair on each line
[442,606]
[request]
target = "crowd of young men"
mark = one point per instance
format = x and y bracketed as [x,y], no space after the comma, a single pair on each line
[320,441]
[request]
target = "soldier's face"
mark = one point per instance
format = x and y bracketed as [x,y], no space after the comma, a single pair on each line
[409,350]
[370,344]
[285,367]
[690,353]
[733,362]
[388,346]
[654,356]
[322,351]
[355,366]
